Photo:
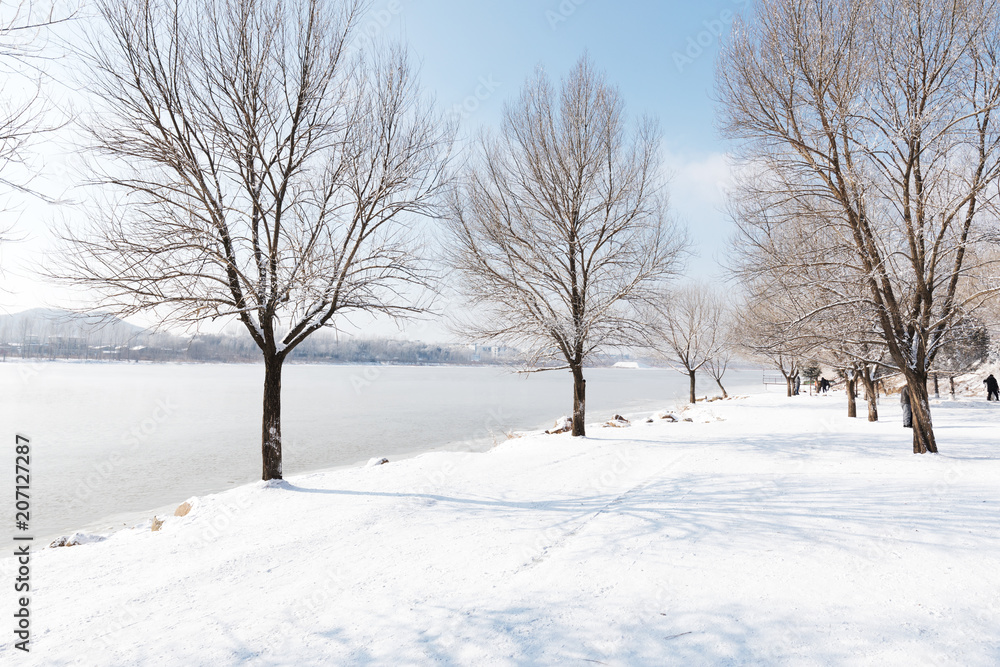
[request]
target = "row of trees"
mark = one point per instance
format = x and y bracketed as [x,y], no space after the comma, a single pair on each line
[256,161]
[868,144]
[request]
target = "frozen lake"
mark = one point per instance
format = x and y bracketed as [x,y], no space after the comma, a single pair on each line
[110,441]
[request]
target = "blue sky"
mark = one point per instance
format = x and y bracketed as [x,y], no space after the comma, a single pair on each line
[643,46]
[475,55]
[661,54]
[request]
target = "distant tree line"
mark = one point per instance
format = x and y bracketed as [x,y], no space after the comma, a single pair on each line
[29,338]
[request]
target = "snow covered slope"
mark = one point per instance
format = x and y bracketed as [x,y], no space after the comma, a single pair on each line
[766,531]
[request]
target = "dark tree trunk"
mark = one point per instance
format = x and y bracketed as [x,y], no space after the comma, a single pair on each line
[788,385]
[691,396]
[923,428]
[850,382]
[871,394]
[723,389]
[937,392]
[951,381]
[579,401]
[271,428]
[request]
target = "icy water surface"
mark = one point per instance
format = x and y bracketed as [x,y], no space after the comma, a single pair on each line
[113,440]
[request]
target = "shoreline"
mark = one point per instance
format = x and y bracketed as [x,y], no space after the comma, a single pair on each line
[134,519]
[124,520]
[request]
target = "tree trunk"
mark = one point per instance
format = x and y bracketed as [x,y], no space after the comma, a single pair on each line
[871,394]
[923,428]
[788,385]
[691,396]
[850,382]
[937,393]
[951,380]
[271,428]
[724,393]
[579,402]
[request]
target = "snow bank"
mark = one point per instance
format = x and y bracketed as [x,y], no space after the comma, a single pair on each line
[784,534]
[76,539]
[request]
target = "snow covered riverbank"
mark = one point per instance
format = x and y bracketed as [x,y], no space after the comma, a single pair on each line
[767,531]
[126,439]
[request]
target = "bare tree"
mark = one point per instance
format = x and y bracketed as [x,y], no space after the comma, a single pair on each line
[19,108]
[847,338]
[765,334]
[691,332]
[559,232]
[719,363]
[793,254]
[884,112]
[264,173]
[23,110]
[967,347]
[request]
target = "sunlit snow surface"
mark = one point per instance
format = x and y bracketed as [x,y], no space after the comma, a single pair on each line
[766,531]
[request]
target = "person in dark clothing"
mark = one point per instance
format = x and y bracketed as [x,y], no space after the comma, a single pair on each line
[992,390]
[824,385]
[904,400]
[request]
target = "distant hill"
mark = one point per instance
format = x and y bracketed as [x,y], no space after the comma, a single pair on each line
[45,333]
[45,322]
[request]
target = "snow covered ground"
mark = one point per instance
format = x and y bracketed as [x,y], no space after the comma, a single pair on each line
[766,531]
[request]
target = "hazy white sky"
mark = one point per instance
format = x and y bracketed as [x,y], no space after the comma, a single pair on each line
[474,56]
